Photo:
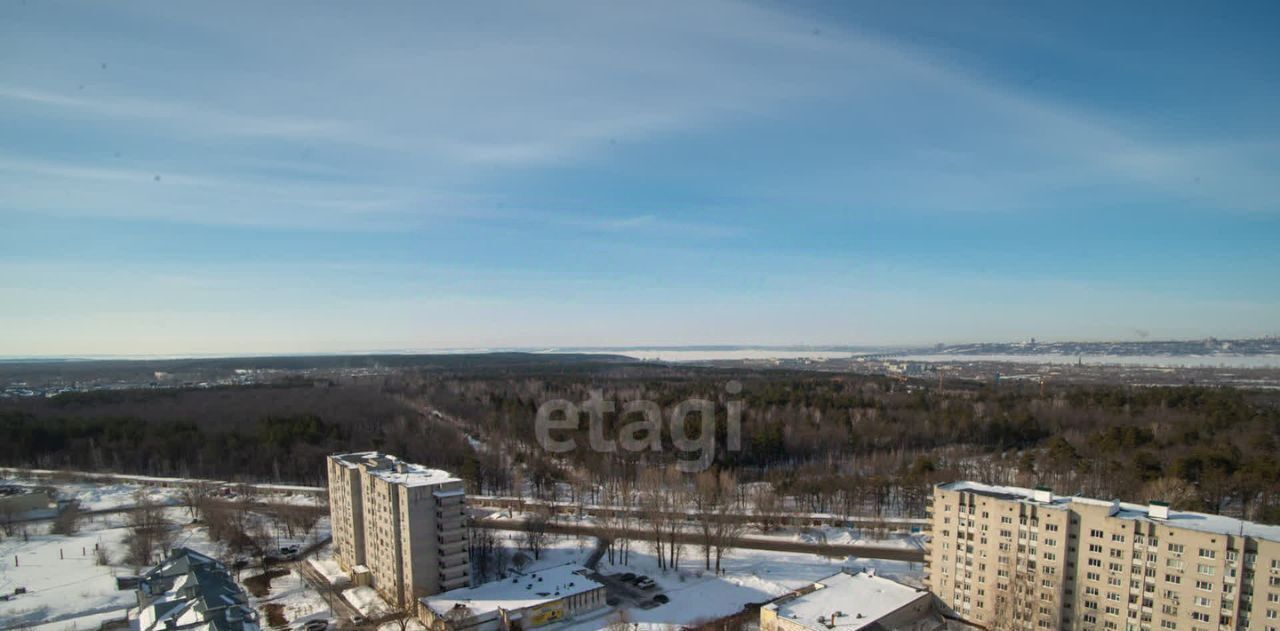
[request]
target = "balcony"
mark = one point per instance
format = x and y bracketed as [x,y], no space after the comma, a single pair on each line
[453,559]
[442,515]
[446,549]
[455,582]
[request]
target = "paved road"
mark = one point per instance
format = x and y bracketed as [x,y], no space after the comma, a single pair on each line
[747,542]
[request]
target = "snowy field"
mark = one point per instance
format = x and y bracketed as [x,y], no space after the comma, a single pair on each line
[67,589]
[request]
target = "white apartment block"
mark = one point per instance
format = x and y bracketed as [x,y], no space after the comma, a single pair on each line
[401,525]
[1016,558]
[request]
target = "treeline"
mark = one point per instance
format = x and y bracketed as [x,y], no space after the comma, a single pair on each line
[864,444]
[278,434]
[819,442]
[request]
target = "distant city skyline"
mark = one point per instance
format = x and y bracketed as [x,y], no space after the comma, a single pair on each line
[238,178]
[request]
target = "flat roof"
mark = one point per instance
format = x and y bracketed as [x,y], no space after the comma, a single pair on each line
[1191,520]
[394,470]
[515,592]
[857,600]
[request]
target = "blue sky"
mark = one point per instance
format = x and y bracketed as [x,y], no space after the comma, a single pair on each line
[284,177]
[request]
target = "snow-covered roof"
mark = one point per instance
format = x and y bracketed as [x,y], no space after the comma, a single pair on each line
[514,593]
[394,470]
[194,591]
[1191,520]
[857,600]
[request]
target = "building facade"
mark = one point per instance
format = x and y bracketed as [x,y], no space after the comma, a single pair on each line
[1017,558]
[400,525]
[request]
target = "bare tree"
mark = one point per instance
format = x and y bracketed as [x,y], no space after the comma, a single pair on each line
[675,499]
[728,525]
[193,496]
[68,520]
[149,530]
[401,617]
[8,521]
[652,505]
[536,527]
[768,510]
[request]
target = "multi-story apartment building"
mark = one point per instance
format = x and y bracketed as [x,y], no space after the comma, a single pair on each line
[402,525]
[1016,558]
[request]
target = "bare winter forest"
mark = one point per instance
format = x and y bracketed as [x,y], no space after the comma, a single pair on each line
[841,444]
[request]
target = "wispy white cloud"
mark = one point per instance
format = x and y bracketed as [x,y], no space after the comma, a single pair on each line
[447,101]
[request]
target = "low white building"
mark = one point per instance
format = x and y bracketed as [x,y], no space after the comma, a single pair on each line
[521,601]
[849,602]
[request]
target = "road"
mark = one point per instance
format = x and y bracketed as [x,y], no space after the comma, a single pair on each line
[745,541]
[791,518]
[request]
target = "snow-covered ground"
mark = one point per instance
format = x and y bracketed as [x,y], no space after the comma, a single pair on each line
[67,590]
[749,576]
[288,599]
[328,568]
[844,537]
[65,587]
[367,601]
[109,491]
[74,593]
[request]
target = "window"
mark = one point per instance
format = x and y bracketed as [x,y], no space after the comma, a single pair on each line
[1205,569]
[1204,585]
[1118,538]
[1095,533]
[1093,547]
[1175,548]
[1206,553]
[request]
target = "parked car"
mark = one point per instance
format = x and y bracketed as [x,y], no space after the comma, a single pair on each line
[628,576]
[646,583]
[661,599]
[315,625]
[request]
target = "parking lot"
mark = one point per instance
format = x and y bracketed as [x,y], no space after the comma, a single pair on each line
[630,590]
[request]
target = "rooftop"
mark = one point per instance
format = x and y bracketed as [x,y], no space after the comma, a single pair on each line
[857,601]
[514,593]
[1191,520]
[192,591]
[394,470]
